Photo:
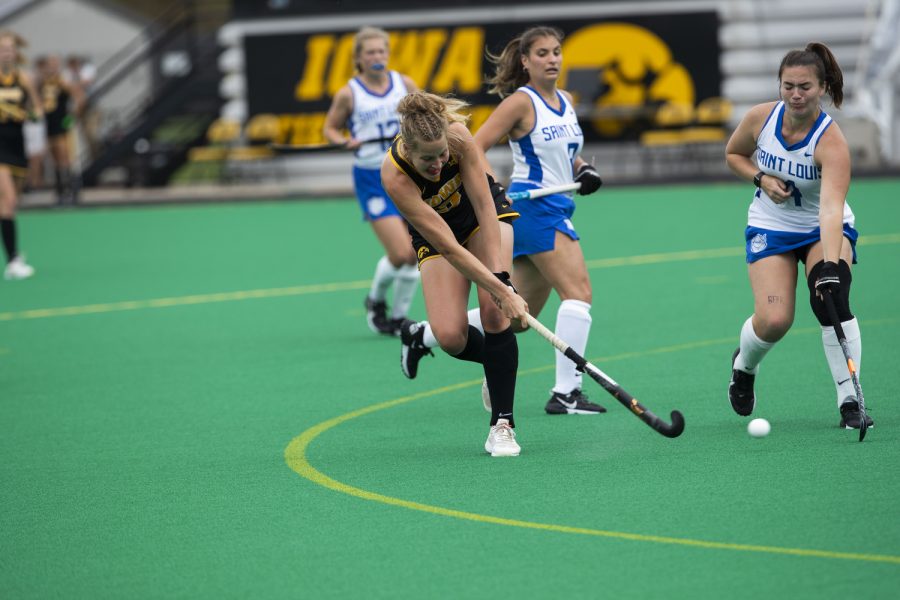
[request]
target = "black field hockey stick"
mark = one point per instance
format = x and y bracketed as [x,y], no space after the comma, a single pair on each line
[842,340]
[327,147]
[672,430]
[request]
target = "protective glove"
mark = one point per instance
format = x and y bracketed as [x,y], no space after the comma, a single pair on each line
[589,179]
[498,192]
[828,280]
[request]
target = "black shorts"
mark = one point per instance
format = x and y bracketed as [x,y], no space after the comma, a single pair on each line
[58,124]
[12,149]
[462,232]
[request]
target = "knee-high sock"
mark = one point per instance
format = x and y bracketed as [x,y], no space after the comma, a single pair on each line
[753,349]
[573,325]
[836,361]
[474,350]
[501,363]
[385,273]
[405,283]
[8,232]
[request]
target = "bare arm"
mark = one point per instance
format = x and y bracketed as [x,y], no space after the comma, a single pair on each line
[410,84]
[407,198]
[833,156]
[506,120]
[337,116]
[741,147]
[37,108]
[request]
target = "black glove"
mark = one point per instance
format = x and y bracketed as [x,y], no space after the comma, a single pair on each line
[589,179]
[828,278]
[504,277]
[498,192]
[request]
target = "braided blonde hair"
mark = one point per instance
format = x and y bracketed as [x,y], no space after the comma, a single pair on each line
[426,117]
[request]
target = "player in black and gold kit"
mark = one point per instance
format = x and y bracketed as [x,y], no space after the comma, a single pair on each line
[435,175]
[17,96]
[60,100]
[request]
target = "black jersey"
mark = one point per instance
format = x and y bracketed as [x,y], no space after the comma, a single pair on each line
[12,115]
[447,196]
[55,96]
[12,101]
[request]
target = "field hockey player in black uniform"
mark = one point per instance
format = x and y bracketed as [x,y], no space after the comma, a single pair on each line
[16,97]
[61,100]
[459,225]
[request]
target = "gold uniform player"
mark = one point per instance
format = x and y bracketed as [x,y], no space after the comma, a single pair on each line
[16,95]
[458,221]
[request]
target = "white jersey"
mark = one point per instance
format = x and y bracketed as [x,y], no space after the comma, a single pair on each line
[795,165]
[545,155]
[375,116]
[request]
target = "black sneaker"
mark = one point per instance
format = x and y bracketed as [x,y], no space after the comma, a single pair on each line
[376,317]
[573,403]
[740,389]
[412,348]
[850,416]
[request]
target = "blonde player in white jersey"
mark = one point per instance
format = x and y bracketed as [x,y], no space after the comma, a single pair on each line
[367,107]
[546,140]
[799,213]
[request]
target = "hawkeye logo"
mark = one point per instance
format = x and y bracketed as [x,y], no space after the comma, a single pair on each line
[423,252]
[620,70]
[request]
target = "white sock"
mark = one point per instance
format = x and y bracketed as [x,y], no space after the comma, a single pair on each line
[405,283]
[385,273]
[475,319]
[573,324]
[428,336]
[753,349]
[836,361]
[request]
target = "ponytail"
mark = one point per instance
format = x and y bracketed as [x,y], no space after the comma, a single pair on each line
[818,56]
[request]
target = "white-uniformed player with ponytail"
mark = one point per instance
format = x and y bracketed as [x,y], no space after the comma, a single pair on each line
[798,214]
[367,108]
[546,140]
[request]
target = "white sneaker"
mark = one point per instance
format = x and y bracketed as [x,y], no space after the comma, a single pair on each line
[17,268]
[485,395]
[501,440]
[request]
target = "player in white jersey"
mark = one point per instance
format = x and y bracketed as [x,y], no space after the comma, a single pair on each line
[367,107]
[798,213]
[546,140]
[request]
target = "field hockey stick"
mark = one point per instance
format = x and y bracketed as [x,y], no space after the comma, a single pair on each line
[842,340]
[608,384]
[327,147]
[540,192]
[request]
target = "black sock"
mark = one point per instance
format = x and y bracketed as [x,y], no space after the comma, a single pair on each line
[474,350]
[501,363]
[8,231]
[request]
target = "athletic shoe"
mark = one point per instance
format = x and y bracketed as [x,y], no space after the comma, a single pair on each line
[501,441]
[376,317]
[485,395]
[573,403]
[740,389]
[17,268]
[850,416]
[412,348]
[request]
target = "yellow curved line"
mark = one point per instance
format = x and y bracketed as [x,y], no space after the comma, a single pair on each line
[295,457]
[300,290]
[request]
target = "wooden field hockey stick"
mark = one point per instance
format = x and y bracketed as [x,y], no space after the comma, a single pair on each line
[842,340]
[541,192]
[672,430]
[328,147]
